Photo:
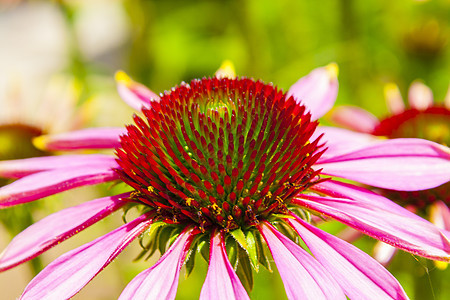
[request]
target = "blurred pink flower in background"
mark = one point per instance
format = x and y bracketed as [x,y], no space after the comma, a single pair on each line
[423,118]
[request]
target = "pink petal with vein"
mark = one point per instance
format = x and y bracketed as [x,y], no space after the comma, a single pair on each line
[22,167]
[70,272]
[378,217]
[56,228]
[43,184]
[397,164]
[92,138]
[358,274]
[420,96]
[134,94]
[340,141]
[221,282]
[354,118]
[302,275]
[161,280]
[317,90]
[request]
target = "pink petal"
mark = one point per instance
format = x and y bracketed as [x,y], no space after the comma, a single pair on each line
[378,217]
[43,184]
[393,98]
[23,167]
[397,164]
[354,118]
[221,282]
[134,94]
[92,138]
[161,280]
[317,90]
[359,275]
[420,96]
[339,141]
[384,253]
[302,275]
[56,228]
[70,272]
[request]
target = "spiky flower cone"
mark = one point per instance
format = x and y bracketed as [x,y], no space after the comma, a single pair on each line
[219,153]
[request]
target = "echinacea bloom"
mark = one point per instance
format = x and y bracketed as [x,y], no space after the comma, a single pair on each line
[422,119]
[231,168]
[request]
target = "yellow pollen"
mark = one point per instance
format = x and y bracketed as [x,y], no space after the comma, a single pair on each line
[216,208]
[189,201]
[151,189]
[290,184]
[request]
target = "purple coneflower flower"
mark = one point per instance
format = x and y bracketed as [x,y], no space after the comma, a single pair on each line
[231,168]
[422,119]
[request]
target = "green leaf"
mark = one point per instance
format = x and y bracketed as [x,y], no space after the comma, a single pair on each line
[163,238]
[154,242]
[203,247]
[244,270]
[144,247]
[281,216]
[190,262]
[263,257]
[251,249]
[287,231]
[232,248]
[155,226]
[303,214]
[239,236]
[126,209]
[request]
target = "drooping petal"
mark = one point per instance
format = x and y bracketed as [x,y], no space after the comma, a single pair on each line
[221,282]
[339,141]
[56,228]
[384,253]
[354,118]
[317,90]
[378,217]
[92,138]
[134,94]
[420,96]
[394,100]
[397,164]
[22,167]
[43,184]
[359,275]
[161,280]
[70,272]
[302,275]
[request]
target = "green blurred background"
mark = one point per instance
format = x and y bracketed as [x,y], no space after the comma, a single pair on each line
[161,43]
